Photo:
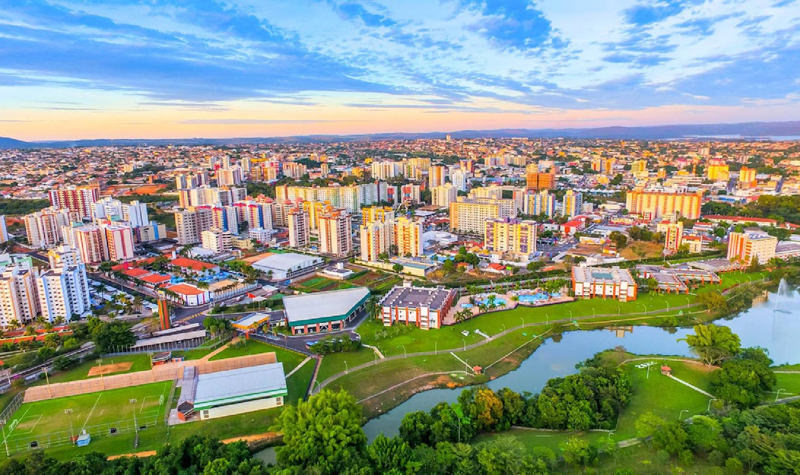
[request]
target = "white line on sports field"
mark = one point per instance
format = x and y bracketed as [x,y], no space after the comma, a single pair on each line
[143,401]
[16,422]
[30,431]
[90,412]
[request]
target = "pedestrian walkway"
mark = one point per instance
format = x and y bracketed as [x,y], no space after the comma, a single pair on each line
[704,393]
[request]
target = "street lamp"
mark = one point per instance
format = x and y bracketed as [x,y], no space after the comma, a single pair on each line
[405,355]
[681,413]
[346,369]
[708,409]
[523,321]
[465,343]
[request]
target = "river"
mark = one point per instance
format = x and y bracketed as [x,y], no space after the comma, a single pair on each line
[773,324]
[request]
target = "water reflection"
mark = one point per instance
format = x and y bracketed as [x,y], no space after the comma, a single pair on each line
[773,325]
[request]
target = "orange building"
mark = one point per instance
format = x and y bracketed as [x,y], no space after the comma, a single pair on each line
[657,204]
[537,180]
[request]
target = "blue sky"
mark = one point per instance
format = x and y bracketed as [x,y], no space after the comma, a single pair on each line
[98,68]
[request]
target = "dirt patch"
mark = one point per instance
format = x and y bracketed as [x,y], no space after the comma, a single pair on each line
[109,369]
[145,453]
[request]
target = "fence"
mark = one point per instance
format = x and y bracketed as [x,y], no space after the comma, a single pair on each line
[10,409]
[159,373]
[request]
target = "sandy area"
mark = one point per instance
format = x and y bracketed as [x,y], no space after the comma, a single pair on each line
[109,368]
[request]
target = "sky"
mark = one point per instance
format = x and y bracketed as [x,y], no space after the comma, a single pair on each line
[251,68]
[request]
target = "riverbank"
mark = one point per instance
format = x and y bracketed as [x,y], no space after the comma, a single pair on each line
[418,361]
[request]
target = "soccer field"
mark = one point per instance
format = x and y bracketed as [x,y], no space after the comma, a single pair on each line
[110,413]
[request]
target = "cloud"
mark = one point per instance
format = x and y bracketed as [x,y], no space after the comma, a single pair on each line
[645,14]
[512,23]
[255,121]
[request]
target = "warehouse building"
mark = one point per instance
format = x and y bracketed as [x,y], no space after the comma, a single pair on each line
[323,311]
[236,391]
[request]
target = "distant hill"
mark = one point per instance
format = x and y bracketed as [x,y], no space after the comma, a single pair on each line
[747,130]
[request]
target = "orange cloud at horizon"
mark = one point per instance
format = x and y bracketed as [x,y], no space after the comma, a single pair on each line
[258,120]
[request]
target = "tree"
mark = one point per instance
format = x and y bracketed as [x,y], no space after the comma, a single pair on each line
[415,428]
[619,239]
[388,455]
[507,455]
[397,267]
[578,452]
[713,300]
[671,437]
[743,380]
[482,406]
[323,434]
[111,336]
[713,343]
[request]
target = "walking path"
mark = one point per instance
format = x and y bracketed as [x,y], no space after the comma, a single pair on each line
[219,350]
[391,388]
[375,349]
[302,363]
[704,393]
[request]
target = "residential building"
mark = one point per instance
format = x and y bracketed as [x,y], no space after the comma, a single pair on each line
[119,239]
[407,236]
[191,222]
[91,243]
[217,240]
[256,214]
[75,198]
[297,220]
[63,292]
[747,177]
[436,175]
[374,214]
[507,235]
[749,245]
[3,230]
[443,195]
[536,180]
[335,233]
[19,302]
[43,228]
[571,204]
[541,203]
[673,233]
[717,170]
[658,204]
[459,179]
[469,215]
[375,239]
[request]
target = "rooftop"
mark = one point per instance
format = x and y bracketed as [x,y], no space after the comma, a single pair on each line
[238,385]
[186,289]
[286,261]
[323,304]
[601,274]
[192,264]
[416,297]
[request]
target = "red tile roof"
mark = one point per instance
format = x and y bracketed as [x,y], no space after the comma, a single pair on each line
[135,272]
[155,278]
[192,264]
[186,289]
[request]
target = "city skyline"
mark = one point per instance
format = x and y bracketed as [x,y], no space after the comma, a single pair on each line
[77,69]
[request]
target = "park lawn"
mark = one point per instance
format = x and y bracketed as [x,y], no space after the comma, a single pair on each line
[730,279]
[297,383]
[335,362]
[141,362]
[643,459]
[660,395]
[789,383]
[51,422]
[321,284]
[642,249]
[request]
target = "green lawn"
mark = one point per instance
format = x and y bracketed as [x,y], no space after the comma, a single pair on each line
[50,423]
[661,395]
[542,438]
[788,383]
[335,362]
[289,358]
[141,362]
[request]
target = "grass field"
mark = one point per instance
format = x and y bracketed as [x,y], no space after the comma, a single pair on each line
[141,362]
[50,423]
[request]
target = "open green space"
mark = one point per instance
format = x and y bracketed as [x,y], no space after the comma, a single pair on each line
[789,384]
[321,284]
[654,393]
[289,358]
[50,423]
[337,362]
[141,362]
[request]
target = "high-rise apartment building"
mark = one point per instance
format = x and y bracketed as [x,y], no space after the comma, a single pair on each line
[90,241]
[407,236]
[256,214]
[75,198]
[191,222]
[43,228]
[469,215]
[376,239]
[658,204]
[119,239]
[297,220]
[436,176]
[443,195]
[3,229]
[673,236]
[459,179]
[511,236]
[376,214]
[571,204]
[717,170]
[541,203]
[19,302]
[63,292]
[217,240]
[747,177]
[335,233]
[536,180]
